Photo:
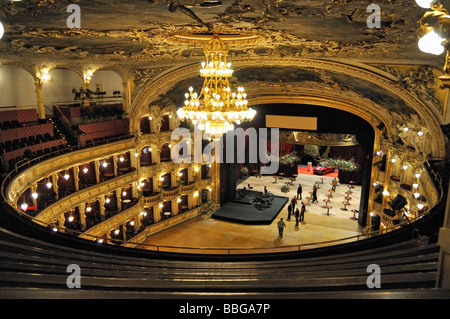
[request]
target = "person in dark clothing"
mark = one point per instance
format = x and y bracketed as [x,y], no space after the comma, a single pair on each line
[299,191]
[297,215]
[289,211]
[281,226]
[314,195]
[302,212]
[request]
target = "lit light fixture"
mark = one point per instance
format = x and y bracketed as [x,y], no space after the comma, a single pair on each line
[107,201]
[88,209]
[2,30]
[216,107]
[49,185]
[405,167]
[24,206]
[70,219]
[104,164]
[418,175]
[393,160]
[416,195]
[386,192]
[55,229]
[85,170]
[434,30]
[420,206]
[420,133]
[34,195]
[44,75]
[415,185]
[116,232]
[66,176]
[88,75]
[431,43]
[426,4]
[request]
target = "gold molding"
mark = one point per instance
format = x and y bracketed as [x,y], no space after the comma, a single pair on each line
[54,165]
[63,205]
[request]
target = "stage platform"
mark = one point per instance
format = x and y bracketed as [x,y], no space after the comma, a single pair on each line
[304,171]
[248,210]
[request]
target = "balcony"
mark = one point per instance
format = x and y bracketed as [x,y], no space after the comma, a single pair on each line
[152,199]
[171,193]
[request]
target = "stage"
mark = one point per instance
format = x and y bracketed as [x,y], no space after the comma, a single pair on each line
[247,209]
[303,170]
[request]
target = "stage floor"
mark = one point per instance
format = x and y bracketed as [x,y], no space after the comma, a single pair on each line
[317,226]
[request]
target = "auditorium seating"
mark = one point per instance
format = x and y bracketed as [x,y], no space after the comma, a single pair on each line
[28,137]
[39,268]
[95,132]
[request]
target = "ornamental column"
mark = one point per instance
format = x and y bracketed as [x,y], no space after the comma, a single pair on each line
[40,99]
[82,211]
[76,178]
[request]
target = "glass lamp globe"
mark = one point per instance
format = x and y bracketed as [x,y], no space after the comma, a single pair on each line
[426,4]
[431,43]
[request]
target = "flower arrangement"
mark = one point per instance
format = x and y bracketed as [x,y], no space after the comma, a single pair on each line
[244,171]
[367,231]
[339,164]
[209,206]
[285,189]
[287,160]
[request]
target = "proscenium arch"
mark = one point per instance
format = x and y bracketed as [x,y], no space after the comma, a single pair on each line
[170,78]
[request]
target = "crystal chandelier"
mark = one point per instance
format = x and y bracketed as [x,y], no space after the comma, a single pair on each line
[216,107]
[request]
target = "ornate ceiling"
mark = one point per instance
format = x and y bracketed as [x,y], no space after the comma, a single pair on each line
[130,32]
[311,50]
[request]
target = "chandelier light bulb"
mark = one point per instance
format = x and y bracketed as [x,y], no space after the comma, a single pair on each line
[49,185]
[431,43]
[24,206]
[34,195]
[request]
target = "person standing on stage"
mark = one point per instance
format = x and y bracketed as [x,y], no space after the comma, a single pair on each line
[299,191]
[297,215]
[289,211]
[293,202]
[302,212]
[314,194]
[281,226]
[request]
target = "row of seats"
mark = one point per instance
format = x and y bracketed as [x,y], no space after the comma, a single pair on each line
[9,146]
[100,112]
[40,270]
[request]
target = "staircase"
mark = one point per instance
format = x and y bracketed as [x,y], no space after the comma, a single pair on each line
[62,131]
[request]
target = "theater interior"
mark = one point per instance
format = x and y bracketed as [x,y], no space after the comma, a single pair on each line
[95,172]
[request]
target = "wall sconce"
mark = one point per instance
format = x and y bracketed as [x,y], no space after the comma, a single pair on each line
[434,34]
[44,75]
[87,75]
